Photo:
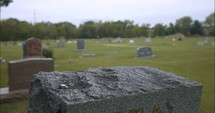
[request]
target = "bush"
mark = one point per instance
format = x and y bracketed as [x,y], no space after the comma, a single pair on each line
[48,53]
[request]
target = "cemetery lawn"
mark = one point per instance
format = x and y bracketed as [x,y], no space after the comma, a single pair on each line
[183,58]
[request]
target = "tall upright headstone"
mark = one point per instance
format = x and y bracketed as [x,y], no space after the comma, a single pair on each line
[122,89]
[20,72]
[32,47]
[80,45]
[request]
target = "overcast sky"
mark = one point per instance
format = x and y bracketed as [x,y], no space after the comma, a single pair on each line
[79,11]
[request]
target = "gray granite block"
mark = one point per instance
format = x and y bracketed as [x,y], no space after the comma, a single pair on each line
[134,89]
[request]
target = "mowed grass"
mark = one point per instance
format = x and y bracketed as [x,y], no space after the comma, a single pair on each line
[183,58]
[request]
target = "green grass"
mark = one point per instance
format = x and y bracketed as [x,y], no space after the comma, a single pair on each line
[183,58]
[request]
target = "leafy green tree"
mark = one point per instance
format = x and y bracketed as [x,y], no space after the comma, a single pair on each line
[66,30]
[183,25]
[88,30]
[145,30]
[159,30]
[196,28]
[209,24]
[170,29]
[15,29]
[5,2]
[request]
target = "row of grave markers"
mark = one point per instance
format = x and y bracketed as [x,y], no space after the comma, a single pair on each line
[20,71]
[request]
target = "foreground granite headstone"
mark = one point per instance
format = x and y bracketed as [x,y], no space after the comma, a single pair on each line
[113,90]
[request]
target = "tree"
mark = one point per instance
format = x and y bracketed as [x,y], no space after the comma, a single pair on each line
[159,30]
[88,30]
[170,29]
[196,28]
[5,2]
[209,24]
[66,30]
[15,30]
[145,29]
[183,25]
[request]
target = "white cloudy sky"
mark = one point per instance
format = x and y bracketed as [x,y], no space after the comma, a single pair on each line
[79,11]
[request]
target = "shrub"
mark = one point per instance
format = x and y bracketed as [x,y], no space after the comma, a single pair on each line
[48,53]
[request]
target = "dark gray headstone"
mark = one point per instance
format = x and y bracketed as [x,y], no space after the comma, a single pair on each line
[80,45]
[122,89]
[144,52]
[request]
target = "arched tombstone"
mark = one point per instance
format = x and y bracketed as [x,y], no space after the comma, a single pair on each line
[32,47]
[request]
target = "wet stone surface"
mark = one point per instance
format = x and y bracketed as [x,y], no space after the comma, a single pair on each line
[136,89]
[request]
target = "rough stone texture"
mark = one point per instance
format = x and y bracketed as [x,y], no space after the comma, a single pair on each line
[32,48]
[135,89]
[20,72]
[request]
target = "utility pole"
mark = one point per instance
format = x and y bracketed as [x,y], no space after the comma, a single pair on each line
[34,15]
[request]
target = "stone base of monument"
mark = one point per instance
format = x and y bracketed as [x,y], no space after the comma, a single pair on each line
[136,89]
[146,57]
[80,50]
[14,96]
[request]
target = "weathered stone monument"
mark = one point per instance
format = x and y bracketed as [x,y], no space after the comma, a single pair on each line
[200,43]
[21,71]
[144,52]
[60,43]
[32,47]
[136,89]
[148,39]
[118,40]
[80,45]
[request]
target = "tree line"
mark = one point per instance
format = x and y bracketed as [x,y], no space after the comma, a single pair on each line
[14,29]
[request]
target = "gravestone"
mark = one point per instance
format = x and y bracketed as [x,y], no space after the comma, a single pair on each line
[144,52]
[20,72]
[118,40]
[200,43]
[213,43]
[2,60]
[60,43]
[135,89]
[80,45]
[111,53]
[131,41]
[87,55]
[148,39]
[32,47]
